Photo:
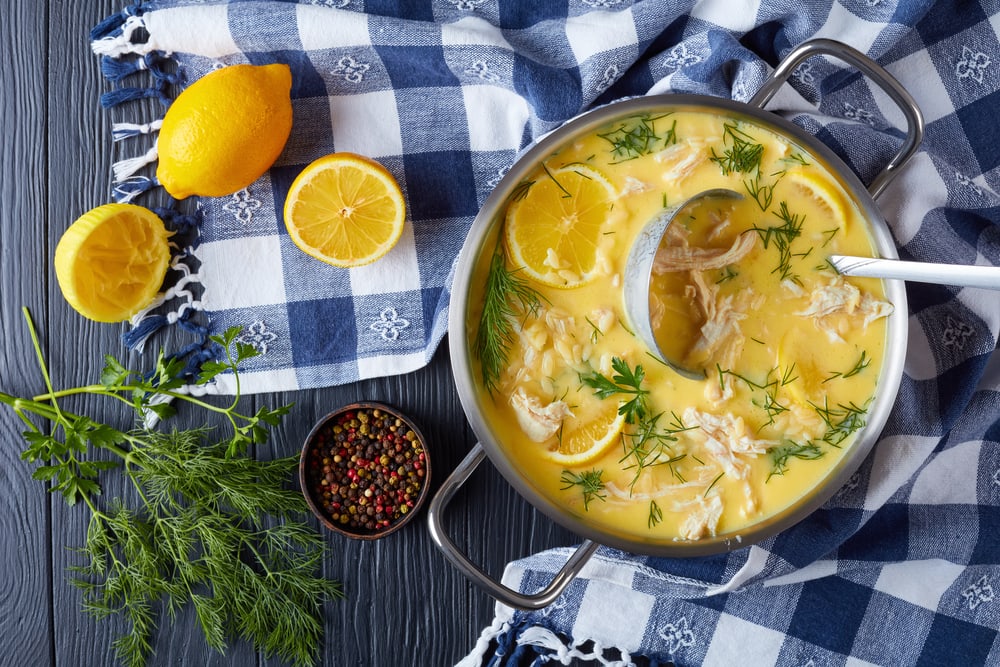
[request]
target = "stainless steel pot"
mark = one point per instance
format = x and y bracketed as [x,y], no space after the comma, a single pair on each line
[480,240]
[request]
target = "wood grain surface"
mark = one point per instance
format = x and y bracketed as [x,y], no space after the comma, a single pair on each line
[405,604]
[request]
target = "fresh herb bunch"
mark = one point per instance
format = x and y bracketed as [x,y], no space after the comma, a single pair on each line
[212,526]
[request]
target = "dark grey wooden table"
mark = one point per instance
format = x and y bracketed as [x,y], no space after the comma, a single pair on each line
[405,604]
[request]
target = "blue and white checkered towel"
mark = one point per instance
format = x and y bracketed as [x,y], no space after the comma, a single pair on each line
[903,565]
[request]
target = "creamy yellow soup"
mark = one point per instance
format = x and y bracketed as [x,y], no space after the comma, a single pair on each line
[790,350]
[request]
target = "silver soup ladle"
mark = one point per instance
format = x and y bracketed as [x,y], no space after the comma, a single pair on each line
[639,268]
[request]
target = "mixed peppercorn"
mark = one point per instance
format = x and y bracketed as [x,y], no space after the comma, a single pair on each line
[366,470]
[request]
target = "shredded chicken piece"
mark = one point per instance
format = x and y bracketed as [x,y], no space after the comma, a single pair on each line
[632,185]
[683,258]
[837,297]
[703,518]
[721,337]
[842,298]
[681,159]
[726,438]
[539,422]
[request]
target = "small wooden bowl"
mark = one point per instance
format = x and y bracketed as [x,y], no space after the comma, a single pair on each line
[370,457]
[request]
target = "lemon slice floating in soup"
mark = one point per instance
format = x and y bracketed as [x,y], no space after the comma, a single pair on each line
[826,193]
[557,230]
[580,444]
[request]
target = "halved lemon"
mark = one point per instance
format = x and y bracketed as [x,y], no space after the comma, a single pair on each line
[554,230]
[827,194]
[110,263]
[584,443]
[345,209]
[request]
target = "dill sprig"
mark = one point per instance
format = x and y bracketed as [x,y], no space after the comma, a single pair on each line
[648,446]
[761,192]
[765,393]
[211,526]
[782,453]
[506,298]
[841,421]
[624,381]
[742,153]
[655,515]
[591,484]
[781,237]
[860,365]
[638,136]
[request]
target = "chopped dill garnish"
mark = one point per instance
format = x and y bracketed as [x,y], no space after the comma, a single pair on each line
[827,265]
[595,331]
[590,482]
[781,237]
[649,446]
[829,234]
[743,154]
[566,193]
[860,365]
[841,421]
[796,158]
[625,327]
[655,514]
[781,454]
[761,193]
[758,341]
[768,402]
[714,482]
[624,381]
[728,273]
[637,136]
[507,297]
[521,190]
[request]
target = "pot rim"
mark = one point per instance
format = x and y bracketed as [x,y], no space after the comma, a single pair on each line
[486,226]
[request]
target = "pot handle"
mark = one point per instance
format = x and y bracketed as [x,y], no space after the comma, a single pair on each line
[458,558]
[875,72]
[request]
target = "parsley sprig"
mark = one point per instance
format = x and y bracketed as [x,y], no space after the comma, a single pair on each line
[625,381]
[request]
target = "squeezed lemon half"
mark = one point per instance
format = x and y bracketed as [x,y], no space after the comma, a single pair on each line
[110,263]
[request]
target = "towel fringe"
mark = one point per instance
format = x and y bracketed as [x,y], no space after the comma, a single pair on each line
[113,23]
[131,188]
[116,69]
[121,131]
[113,98]
[118,40]
[145,323]
[123,169]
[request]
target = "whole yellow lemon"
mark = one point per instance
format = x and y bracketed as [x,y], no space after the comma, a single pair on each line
[225,130]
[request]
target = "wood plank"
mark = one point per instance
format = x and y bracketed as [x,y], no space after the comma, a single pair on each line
[405,604]
[25,595]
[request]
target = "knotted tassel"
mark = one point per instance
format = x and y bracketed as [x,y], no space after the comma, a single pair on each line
[109,25]
[119,41]
[121,131]
[136,337]
[121,95]
[128,190]
[116,69]
[123,169]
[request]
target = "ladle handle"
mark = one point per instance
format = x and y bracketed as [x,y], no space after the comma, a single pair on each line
[875,72]
[922,272]
[472,571]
